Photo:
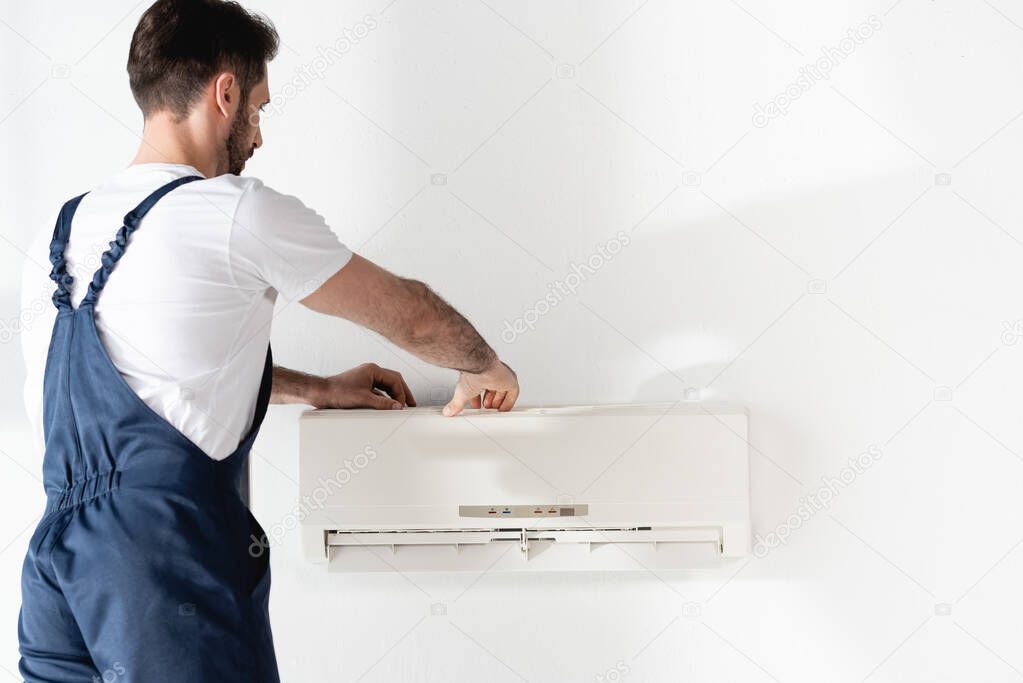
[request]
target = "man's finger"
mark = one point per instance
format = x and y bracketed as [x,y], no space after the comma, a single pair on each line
[475,402]
[390,381]
[509,400]
[457,402]
[410,400]
[380,402]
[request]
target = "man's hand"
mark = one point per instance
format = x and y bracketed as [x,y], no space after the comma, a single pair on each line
[498,385]
[367,386]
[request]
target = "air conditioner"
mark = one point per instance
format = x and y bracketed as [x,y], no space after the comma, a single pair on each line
[617,487]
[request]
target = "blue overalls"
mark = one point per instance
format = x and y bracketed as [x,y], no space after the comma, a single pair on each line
[147,566]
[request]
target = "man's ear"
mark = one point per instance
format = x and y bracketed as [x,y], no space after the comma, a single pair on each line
[227,93]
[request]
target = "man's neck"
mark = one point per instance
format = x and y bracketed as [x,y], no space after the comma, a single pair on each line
[165,141]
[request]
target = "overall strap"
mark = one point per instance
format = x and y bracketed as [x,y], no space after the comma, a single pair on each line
[262,402]
[61,232]
[131,223]
[232,468]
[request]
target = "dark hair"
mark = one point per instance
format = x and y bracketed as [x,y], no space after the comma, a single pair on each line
[179,45]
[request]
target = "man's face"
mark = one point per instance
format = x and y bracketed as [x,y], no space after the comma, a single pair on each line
[245,137]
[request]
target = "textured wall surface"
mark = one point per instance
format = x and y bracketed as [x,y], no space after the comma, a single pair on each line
[814,212]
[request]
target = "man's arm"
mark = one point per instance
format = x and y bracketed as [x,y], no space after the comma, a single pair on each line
[414,317]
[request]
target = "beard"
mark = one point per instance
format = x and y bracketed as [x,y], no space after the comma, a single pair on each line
[239,142]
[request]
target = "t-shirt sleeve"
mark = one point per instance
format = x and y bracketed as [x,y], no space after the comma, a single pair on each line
[279,242]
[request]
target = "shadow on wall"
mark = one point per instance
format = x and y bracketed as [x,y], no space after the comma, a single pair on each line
[702,279]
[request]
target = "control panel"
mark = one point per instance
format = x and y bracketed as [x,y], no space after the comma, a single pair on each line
[497,511]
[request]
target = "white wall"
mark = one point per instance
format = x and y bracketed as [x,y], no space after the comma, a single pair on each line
[819,270]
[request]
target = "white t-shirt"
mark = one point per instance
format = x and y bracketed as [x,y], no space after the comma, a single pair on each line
[186,313]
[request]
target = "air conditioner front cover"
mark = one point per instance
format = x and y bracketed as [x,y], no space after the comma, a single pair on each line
[623,487]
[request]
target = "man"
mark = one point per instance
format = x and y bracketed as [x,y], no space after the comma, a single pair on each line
[152,380]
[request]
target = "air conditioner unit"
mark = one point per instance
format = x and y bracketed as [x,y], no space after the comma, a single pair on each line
[617,487]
